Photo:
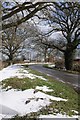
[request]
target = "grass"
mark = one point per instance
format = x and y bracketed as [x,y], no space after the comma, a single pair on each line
[59,90]
[23,118]
[25,65]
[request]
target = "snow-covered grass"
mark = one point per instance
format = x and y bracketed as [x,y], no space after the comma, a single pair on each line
[44,88]
[56,116]
[26,101]
[17,71]
[27,91]
[49,65]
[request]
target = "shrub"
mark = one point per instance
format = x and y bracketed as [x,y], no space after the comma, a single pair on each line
[76,67]
[59,64]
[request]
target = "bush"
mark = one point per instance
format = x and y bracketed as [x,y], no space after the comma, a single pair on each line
[59,64]
[76,67]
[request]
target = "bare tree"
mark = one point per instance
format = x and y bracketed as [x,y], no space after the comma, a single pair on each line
[64,17]
[22,11]
[12,43]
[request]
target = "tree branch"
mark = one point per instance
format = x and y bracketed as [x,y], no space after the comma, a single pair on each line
[18,22]
[52,46]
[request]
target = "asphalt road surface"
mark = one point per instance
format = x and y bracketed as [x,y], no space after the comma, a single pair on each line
[72,79]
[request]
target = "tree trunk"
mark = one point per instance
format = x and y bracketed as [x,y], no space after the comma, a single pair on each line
[45,55]
[10,59]
[68,55]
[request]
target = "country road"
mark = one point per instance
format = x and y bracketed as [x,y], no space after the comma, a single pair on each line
[71,79]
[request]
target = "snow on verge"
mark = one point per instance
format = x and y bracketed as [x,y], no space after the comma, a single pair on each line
[26,101]
[17,71]
[8,72]
[57,116]
[51,65]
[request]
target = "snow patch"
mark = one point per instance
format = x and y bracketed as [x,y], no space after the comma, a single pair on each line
[44,88]
[51,65]
[17,71]
[75,111]
[26,101]
[1,117]
[9,71]
[57,116]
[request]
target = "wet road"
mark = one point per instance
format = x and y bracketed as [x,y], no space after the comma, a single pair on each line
[71,79]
